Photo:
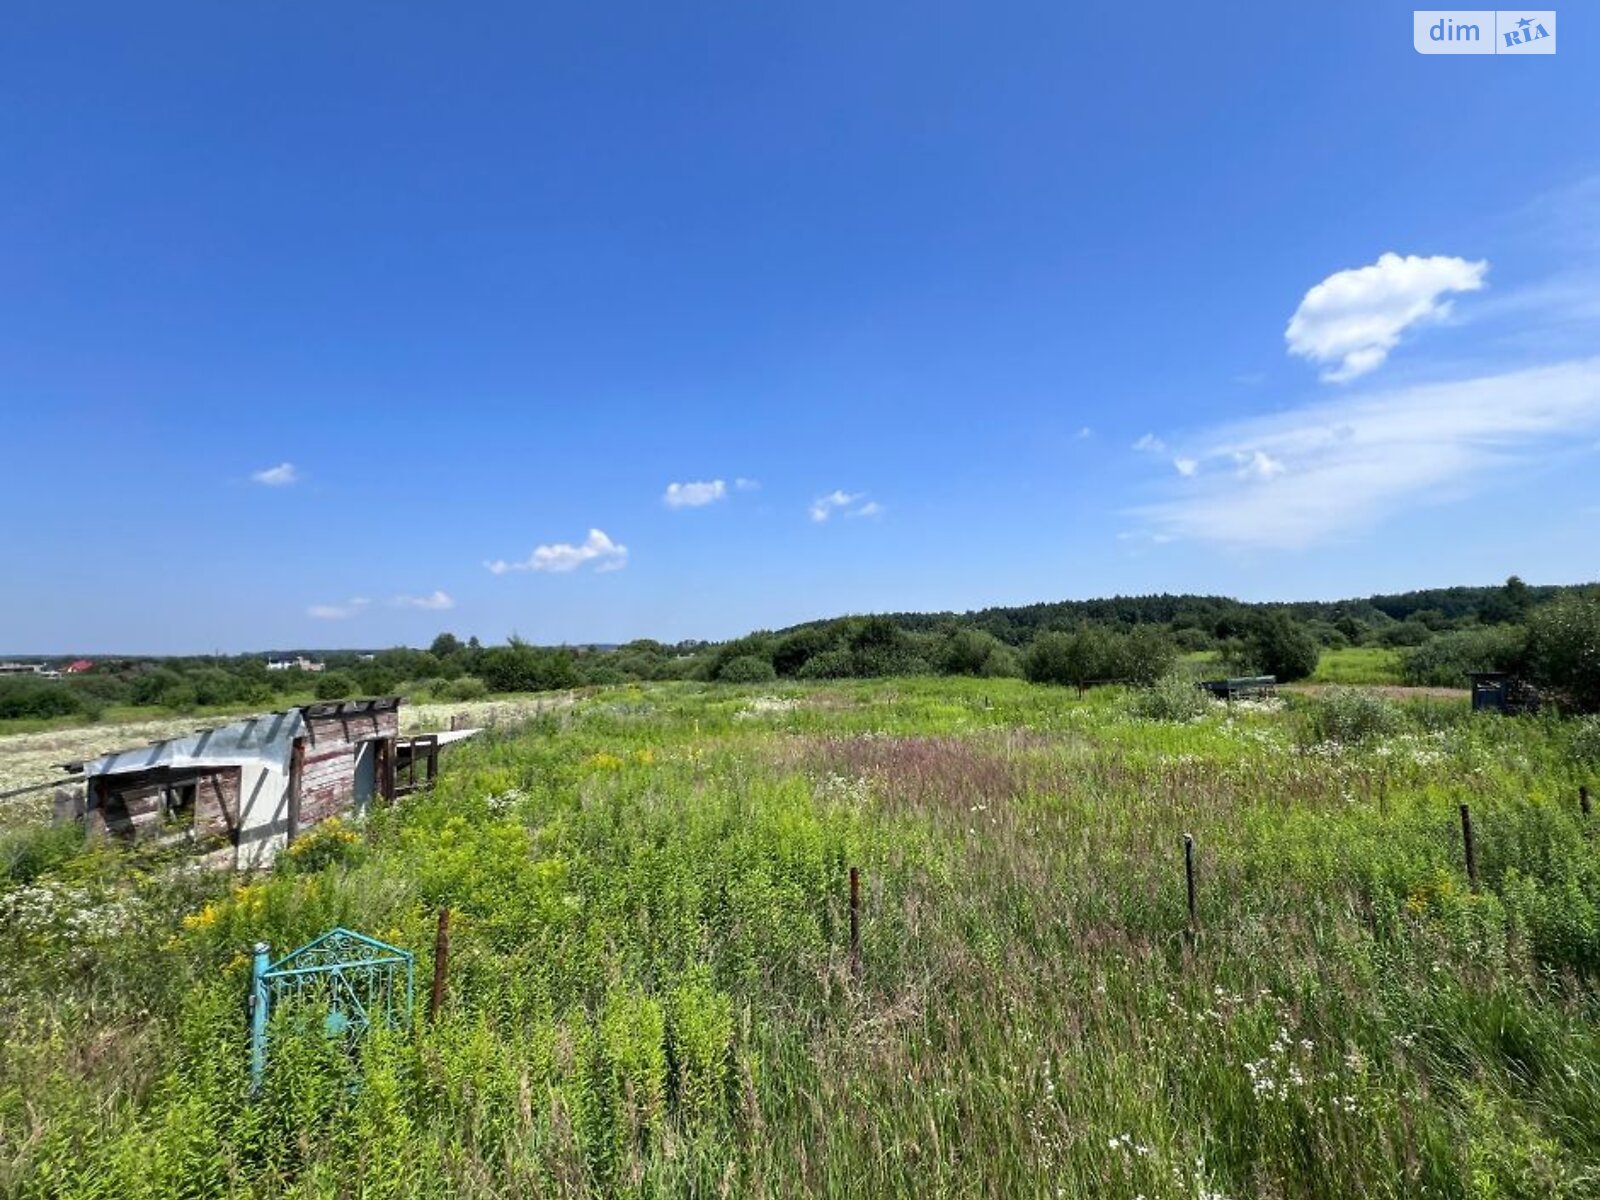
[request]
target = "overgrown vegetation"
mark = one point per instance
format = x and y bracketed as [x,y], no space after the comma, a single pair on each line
[1550,636]
[651,991]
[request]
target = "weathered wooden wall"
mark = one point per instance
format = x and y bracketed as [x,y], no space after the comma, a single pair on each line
[134,808]
[328,775]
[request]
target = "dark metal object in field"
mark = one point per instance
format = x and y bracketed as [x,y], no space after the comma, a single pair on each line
[855,923]
[1188,873]
[441,958]
[1500,691]
[1466,837]
[354,977]
[1248,687]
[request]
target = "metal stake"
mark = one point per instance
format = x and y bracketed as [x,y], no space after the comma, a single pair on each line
[441,959]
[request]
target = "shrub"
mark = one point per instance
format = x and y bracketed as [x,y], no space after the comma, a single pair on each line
[1072,658]
[1444,661]
[1145,655]
[336,685]
[747,668]
[468,687]
[1352,715]
[830,664]
[1173,697]
[37,698]
[1279,645]
[1586,741]
[332,841]
[1564,650]
[27,853]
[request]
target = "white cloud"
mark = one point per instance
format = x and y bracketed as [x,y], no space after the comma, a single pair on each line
[281,475]
[747,485]
[1085,432]
[434,602]
[560,557]
[1300,477]
[338,612]
[1257,464]
[1186,466]
[849,504]
[694,495]
[1352,319]
[1150,444]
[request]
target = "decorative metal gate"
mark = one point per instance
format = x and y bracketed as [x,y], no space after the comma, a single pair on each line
[355,977]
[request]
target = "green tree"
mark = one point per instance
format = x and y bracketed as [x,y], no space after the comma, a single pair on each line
[336,685]
[1564,650]
[1279,645]
[747,668]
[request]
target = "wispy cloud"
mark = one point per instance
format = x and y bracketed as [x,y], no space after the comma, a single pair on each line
[560,557]
[747,485]
[433,602]
[694,495]
[281,475]
[1084,432]
[1352,319]
[1296,478]
[848,504]
[339,612]
[1150,444]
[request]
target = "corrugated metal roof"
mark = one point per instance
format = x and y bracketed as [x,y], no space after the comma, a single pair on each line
[267,739]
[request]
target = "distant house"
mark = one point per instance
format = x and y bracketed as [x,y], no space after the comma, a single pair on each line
[246,790]
[78,666]
[300,663]
[19,668]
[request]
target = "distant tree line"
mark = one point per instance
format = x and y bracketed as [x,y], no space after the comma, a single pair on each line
[1550,635]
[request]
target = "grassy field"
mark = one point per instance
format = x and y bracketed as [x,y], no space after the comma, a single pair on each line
[651,991]
[1361,665]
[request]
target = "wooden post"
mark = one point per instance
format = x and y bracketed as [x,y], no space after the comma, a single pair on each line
[441,960]
[1583,799]
[297,767]
[1466,838]
[855,923]
[1188,876]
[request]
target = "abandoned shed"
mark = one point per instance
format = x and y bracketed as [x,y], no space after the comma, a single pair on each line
[247,789]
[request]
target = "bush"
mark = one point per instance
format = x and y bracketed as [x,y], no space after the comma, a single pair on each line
[1173,697]
[1352,715]
[1586,741]
[830,664]
[1444,661]
[1564,650]
[747,668]
[1145,655]
[37,698]
[336,685]
[1072,658]
[1279,645]
[27,853]
[468,687]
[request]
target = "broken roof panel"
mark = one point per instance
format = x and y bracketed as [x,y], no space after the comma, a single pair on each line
[268,740]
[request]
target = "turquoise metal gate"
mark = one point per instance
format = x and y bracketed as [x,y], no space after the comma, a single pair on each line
[355,977]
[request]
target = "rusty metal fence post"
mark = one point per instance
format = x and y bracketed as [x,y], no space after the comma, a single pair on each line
[1466,838]
[441,960]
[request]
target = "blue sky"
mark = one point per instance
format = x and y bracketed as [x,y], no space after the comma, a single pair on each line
[1027,302]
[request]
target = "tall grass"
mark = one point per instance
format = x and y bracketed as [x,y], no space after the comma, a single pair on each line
[650,989]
